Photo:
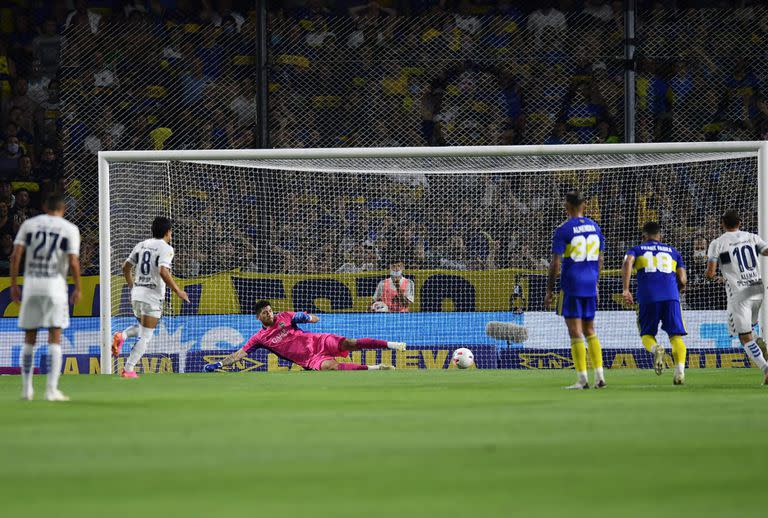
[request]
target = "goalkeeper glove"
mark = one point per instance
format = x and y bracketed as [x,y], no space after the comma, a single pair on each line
[211,367]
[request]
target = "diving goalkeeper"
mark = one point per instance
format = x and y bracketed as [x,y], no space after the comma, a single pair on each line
[281,335]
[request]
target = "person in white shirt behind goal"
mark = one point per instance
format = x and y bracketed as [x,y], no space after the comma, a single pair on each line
[737,253]
[152,261]
[51,245]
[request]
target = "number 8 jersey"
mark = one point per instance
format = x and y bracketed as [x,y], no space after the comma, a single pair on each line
[147,257]
[579,241]
[738,253]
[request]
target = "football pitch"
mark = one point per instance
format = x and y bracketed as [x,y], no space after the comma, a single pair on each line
[405,443]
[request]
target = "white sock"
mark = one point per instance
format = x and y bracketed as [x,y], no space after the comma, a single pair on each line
[54,367]
[145,336]
[582,377]
[131,331]
[27,367]
[679,368]
[599,374]
[754,352]
[374,367]
[392,345]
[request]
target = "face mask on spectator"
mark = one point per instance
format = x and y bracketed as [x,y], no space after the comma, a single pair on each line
[13,148]
[699,254]
[395,274]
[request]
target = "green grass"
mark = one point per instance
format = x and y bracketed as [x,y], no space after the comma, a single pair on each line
[405,443]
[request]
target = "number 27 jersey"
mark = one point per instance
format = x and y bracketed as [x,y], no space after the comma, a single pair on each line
[579,241]
[148,257]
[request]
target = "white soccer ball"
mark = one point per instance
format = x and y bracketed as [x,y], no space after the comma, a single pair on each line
[463,358]
[379,307]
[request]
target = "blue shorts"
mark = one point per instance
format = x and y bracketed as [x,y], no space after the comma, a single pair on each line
[577,307]
[667,312]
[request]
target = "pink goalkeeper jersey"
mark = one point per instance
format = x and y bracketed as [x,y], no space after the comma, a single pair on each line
[285,339]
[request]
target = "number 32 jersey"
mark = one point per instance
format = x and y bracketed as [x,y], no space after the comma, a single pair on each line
[147,257]
[738,255]
[579,241]
[48,242]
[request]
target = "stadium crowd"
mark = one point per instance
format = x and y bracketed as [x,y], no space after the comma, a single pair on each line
[79,77]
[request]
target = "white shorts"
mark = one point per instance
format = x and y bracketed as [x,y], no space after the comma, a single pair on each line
[744,311]
[145,308]
[43,311]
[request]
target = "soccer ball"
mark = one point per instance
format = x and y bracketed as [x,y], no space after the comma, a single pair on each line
[463,358]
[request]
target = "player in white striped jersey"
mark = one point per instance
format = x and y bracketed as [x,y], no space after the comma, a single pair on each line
[736,252]
[151,260]
[51,245]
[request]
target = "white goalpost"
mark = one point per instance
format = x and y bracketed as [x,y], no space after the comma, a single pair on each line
[316,230]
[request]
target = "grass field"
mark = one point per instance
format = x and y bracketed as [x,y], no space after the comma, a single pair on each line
[406,443]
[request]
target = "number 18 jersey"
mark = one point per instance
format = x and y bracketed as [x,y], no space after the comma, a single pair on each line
[656,265]
[579,241]
[147,257]
[738,255]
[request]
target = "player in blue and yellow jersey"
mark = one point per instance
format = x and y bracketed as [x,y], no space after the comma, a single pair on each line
[660,279]
[577,248]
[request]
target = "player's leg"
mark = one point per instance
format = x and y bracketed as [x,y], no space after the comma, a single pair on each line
[119,338]
[28,364]
[356,344]
[759,340]
[673,324]
[740,321]
[150,317]
[593,346]
[333,365]
[578,349]
[648,318]
[52,392]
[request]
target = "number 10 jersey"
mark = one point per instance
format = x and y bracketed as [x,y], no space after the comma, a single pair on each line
[738,255]
[148,257]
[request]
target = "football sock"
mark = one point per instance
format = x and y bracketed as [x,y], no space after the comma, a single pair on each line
[54,367]
[754,352]
[145,336]
[678,352]
[649,342]
[371,343]
[596,355]
[131,331]
[352,367]
[27,367]
[579,355]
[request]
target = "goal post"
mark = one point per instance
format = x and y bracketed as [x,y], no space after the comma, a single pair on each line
[161,175]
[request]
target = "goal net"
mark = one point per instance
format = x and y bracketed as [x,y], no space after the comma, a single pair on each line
[319,230]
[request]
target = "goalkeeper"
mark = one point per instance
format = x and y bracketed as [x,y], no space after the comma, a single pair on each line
[281,335]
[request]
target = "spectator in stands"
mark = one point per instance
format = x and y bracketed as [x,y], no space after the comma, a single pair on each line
[453,255]
[396,292]
[7,71]
[25,179]
[582,112]
[244,105]
[83,17]
[6,194]
[598,9]
[6,249]
[371,10]
[29,115]
[6,223]
[9,156]
[22,209]
[49,167]
[193,82]
[546,18]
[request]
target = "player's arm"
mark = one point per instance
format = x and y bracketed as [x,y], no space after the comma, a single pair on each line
[712,261]
[682,278]
[302,317]
[554,268]
[18,252]
[229,360]
[626,275]
[128,273]
[165,274]
[74,271]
